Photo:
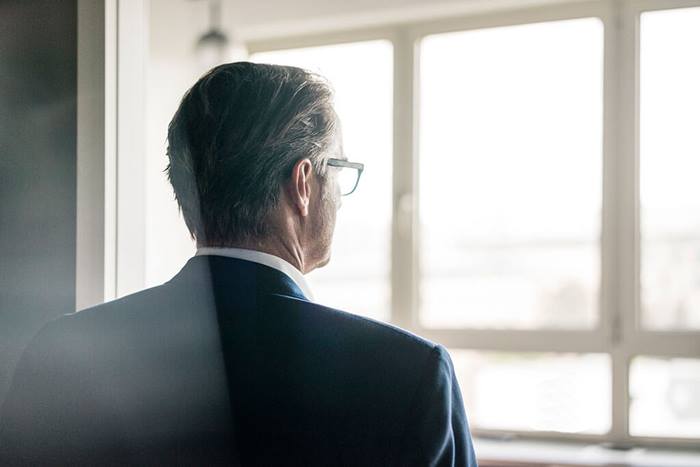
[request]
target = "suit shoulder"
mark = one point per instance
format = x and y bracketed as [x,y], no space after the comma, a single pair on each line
[119,307]
[352,325]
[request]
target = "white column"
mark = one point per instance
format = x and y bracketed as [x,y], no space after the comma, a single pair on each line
[130,99]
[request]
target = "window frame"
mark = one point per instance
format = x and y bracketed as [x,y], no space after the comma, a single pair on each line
[619,333]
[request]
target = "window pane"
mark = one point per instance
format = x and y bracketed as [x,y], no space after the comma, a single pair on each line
[357,278]
[511,176]
[665,397]
[669,169]
[540,392]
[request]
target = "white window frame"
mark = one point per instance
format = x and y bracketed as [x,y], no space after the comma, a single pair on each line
[111,136]
[618,333]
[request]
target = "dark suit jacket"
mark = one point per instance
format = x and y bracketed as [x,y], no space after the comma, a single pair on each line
[229,364]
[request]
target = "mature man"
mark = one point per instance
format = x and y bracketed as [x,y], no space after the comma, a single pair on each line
[231,362]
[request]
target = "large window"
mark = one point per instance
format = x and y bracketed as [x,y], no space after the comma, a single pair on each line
[511,176]
[531,202]
[556,392]
[670,169]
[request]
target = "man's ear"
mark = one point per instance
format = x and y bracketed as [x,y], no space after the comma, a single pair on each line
[299,187]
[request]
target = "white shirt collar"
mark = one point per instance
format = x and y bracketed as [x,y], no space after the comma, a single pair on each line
[265,259]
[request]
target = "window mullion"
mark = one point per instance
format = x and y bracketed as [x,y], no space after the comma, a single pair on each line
[404,267]
[621,247]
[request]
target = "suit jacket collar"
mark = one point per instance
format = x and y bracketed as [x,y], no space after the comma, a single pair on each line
[238,275]
[263,258]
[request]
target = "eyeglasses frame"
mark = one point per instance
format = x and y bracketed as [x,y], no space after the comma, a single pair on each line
[343,163]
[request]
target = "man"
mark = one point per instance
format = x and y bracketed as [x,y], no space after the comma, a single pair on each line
[231,362]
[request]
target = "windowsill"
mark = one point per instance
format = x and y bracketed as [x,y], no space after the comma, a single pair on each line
[512,453]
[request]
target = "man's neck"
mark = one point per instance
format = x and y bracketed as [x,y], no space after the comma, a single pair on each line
[293,254]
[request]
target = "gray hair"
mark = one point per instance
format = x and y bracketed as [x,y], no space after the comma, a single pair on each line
[234,140]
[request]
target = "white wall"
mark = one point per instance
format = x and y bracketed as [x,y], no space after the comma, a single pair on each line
[284,17]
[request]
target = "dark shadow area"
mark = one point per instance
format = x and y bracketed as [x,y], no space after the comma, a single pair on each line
[38,53]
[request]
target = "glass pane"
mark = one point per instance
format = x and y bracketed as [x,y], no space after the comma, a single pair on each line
[511,176]
[567,393]
[665,397]
[361,251]
[669,169]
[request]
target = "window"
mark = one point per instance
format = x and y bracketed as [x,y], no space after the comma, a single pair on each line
[670,166]
[511,176]
[665,397]
[568,393]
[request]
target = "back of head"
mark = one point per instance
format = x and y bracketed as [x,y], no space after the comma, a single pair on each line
[234,140]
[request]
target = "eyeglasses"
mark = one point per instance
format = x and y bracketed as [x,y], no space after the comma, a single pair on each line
[349,178]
